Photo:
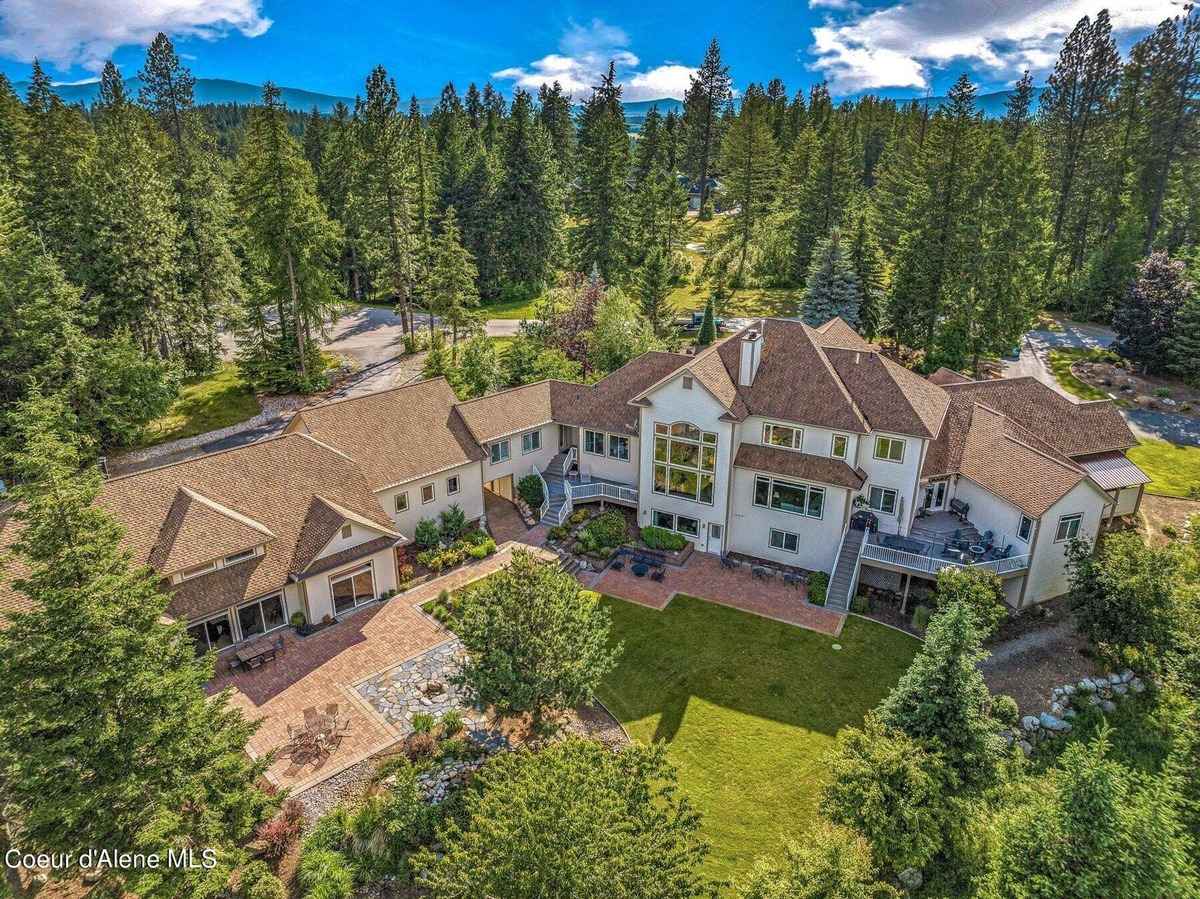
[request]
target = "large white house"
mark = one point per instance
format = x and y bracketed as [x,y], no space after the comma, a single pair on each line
[801,446]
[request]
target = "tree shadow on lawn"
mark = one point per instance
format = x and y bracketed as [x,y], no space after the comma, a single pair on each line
[749,665]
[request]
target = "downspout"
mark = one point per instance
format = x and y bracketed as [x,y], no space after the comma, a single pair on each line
[1033,540]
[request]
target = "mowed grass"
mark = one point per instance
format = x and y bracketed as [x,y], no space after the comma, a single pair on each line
[515,309]
[1061,361]
[749,709]
[1174,469]
[205,404]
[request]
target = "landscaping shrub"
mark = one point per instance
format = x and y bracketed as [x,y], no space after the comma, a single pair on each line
[920,618]
[255,881]
[818,587]
[422,723]
[860,604]
[661,538]
[557,533]
[452,723]
[529,488]
[325,873]
[427,534]
[606,529]
[298,620]
[453,522]
[420,746]
[278,834]
[579,516]
[406,576]
[1005,710]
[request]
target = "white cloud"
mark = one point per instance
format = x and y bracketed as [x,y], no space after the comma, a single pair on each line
[584,54]
[86,32]
[896,46]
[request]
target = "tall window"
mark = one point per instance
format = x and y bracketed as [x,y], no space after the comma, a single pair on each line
[261,616]
[531,442]
[883,499]
[685,461]
[352,589]
[840,443]
[1068,528]
[500,451]
[402,502]
[783,435]
[593,442]
[784,496]
[1025,528]
[618,447]
[889,449]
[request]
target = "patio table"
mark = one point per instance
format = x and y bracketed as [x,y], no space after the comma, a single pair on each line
[976,550]
[258,652]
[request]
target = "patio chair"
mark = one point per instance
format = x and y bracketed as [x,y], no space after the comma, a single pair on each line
[1007,552]
[254,662]
[279,645]
[657,575]
[235,663]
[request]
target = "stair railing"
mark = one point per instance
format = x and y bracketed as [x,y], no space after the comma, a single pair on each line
[545,506]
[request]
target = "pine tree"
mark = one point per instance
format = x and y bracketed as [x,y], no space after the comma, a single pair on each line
[528,202]
[421,150]
[1017,116]
[659,203]
[654,287]
[866,258]
[897,181]
[554,111]
[14,135]
[708,95]
[167,87]
[821,190]
[316,132]
[1184,347]
[109,736]
[132,230]
[478,213]
[452,290]
[832,289]
[338,181]
[601,201]
[291,243]
[708,325]
[1146,319]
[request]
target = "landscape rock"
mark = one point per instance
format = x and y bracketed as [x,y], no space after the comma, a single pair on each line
[911,879]
[1030,723]
[1108,706]
[1087,685]
[1026,748]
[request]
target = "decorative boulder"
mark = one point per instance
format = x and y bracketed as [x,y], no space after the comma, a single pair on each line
[1030,723]
[1087,685]
[1026,748]
[1137,686]
[1126,676]
[1069,690]
[911,879]
[1120,689]
[1108,706]
[1094,700]
[1052,723]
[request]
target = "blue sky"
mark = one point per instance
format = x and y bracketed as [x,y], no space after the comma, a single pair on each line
[896,48]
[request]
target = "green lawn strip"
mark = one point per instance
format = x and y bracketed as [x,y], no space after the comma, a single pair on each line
[1174,469]
[749,708]
[518,309]
[1061,361]
[205,404]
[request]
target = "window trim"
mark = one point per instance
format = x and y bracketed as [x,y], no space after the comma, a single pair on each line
[432,493]
[503,456]
[771,532]
[526,438]
[1075,518]
[1028,533]
[674,526]
[797,436]
[890,441]
[402,495]
[809,490]
[204,621]
[235,558]
[351,574]
[457,485]
[884,490]
[613,438]
[833,453]
[347,531]
[705,441]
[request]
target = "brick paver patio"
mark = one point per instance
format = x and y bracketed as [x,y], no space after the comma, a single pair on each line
[321,669]
[505,523]
[702,576]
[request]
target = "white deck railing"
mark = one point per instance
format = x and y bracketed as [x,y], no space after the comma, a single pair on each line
[545,506]
[580,492]
[873,552]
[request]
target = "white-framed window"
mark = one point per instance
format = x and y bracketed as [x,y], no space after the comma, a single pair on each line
[428,494]
[786,496]
[261,615]
[197,570]
[683,524]
[593,442]
[402,501]
[452,485]
[500,451]
[352,588]
[241,557]
[785,540]
[531,442]
[1068,528]
[347,531]
[618,447]
[1025,528]
[883,499]
[783,436]
[211,633]
[685,461]
[839,446]
[889,449]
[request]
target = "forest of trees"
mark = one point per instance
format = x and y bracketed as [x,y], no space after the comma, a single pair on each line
[132,232]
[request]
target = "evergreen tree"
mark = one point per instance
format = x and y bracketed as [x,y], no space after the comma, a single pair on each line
[832,289]
[708,95]
[291,244]
[478,212]
[529,201]
[708,326]
[132,231]
[480,371]
[898,177]
[823,179]
[831,862]
[316,133]
[109,736]
[654,288]
[452,290]
[14,135]
[866,258]
[1017,115]
[601,199]
[167,87]
[338,182]
[1184,348]
[473,107]
[554,111]
[1146,318]
[659,203]
[423,169]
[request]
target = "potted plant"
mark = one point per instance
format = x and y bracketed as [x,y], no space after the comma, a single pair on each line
[299,623]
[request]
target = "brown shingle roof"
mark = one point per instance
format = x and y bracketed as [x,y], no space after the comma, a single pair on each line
[837,334]
[792,464]
[891,397]
[509,411]
[605,404]
[394,435]
[1074,429]
[198,530]
[944,376]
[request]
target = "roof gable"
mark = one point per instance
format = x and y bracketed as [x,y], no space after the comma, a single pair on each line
[891,397]
[197,529]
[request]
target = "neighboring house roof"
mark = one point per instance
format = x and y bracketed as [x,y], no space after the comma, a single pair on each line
[944,376]
[793,464]
[197,530]
[394,435]
[1112,471]
[1074,429]
[292,486]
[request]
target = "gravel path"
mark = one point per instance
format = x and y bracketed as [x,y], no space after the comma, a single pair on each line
[1029,666]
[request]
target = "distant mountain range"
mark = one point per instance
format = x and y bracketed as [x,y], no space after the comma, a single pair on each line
[221,90]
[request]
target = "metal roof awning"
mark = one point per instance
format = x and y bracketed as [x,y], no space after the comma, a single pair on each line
[1112,471]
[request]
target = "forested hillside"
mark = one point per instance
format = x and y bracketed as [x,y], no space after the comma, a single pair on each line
[130,234]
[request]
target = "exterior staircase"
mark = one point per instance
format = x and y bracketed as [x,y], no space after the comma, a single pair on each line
[555,477]
[838,596]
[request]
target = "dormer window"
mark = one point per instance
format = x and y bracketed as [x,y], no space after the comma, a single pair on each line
[240,557]
[347,531]
[197,570]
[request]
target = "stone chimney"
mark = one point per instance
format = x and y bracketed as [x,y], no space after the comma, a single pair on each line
[750,358]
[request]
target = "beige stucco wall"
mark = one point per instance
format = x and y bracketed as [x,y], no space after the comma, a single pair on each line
[469,496]
[903,477]
[320,599]
[518,463]
[750,526]
[1048,571]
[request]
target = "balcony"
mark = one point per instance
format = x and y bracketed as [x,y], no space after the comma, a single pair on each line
[928,549]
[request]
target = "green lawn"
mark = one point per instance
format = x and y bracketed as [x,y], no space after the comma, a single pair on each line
[205,404]
[1175,469]
[1061,361]
[518,309]
[749,709]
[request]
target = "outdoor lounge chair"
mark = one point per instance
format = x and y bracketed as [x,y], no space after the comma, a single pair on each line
[657,575]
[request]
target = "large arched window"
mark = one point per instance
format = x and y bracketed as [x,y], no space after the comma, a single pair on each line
[685,461]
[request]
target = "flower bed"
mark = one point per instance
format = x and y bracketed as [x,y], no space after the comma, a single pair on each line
[473,545]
